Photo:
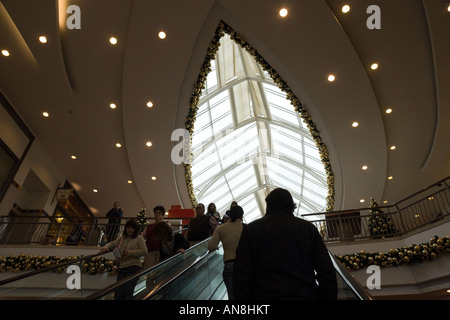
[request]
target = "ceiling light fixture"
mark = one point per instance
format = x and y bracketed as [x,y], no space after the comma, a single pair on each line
[45,114]
[390,177]
[43,39]
[393,147]
[388,110]
[153,178]
[362,200]
[149,104]
[283,12]
[113,40]
[95,190]
[5,53]
[355,124]
[73,157]
[331,78]
[148,144]
[112,105]
[374,66]
[130,181]
[118,145]
[346,8]
[162,35]
[364,167]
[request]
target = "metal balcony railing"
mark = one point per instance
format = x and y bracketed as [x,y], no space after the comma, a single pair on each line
[425,207]
[48,231]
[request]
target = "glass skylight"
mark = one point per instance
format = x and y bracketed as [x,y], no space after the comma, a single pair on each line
[249,140]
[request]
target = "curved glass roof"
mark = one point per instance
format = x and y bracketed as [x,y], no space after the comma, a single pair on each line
[249,140]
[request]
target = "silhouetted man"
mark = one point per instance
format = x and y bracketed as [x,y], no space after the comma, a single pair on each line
[279,254]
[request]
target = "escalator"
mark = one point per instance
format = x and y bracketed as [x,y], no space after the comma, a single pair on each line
[194,275]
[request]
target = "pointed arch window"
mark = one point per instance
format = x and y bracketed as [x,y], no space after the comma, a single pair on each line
[252,135]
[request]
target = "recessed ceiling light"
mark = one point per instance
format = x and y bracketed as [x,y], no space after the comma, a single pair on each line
[112,105]
[5,53]
[95,190]
[388,110]
[73,157]
[331,78]
[390,177]
[393,147]
[113,40]
[43,39]
[448,9]
[362,200]
[162,35]
[364,167]
[385,201]
[374,66]
[130,181]
[149,104]
[118,145]
[148,144]
[45,114]
[346,8]
[355,124]
[153,178]
[283,12]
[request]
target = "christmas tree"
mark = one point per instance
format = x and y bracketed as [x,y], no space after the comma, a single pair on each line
[142,219]
[380,224]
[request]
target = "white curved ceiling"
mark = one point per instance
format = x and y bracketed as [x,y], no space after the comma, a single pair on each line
[78,73]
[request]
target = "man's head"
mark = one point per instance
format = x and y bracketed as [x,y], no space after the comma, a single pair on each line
[280,199]
[158,213]
[200,209]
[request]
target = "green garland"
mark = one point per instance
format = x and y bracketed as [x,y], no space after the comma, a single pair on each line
[199,85]
[415,253]
[395,257]
[28,262]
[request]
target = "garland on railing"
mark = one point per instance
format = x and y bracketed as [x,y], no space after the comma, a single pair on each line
[415,253]
[395,257]
[28,262]
[199,85]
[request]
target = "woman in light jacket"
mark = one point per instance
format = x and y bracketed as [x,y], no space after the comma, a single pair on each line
[229,234]
[131,247]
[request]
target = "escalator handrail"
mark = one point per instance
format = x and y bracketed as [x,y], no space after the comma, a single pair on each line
[171,279]
[49,268]
[112,287]
[56,266]
[351,282]
[348,278]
